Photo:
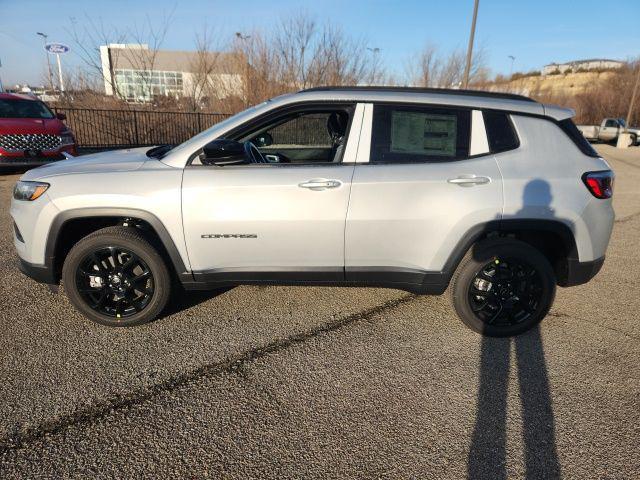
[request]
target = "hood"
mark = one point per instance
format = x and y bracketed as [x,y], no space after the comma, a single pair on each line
[112,161]
[31,125]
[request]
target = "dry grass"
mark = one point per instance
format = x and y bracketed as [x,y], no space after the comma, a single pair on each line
[593,95]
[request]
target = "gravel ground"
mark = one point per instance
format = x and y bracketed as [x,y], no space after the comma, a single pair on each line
[279,382]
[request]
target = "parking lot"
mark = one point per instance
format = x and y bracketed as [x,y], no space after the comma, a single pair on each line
[284,382]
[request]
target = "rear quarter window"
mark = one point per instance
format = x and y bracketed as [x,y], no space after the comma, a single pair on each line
[500,132]
[576,136]
[402,134]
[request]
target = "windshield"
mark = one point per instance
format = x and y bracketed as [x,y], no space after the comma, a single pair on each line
[24,109]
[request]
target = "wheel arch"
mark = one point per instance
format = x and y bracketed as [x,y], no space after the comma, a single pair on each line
[71,225]
[553,238]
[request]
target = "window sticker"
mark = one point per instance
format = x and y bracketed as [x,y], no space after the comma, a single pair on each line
[423,134]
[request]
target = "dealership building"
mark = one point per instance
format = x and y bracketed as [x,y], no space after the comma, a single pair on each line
[138,74]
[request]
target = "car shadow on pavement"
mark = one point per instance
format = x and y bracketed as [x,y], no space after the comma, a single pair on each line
[488,451]
[185,299]
[487,455]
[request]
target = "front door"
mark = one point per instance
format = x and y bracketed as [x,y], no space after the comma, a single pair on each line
[282,220]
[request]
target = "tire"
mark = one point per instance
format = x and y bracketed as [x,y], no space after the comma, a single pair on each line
[634,140]
[138,294]
[522,286]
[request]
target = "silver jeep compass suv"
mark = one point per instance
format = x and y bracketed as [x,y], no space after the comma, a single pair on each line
[494,196]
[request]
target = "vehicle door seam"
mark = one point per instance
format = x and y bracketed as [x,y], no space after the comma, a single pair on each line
[346,213]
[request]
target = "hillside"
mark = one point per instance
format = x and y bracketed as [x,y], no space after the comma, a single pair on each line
[561,85]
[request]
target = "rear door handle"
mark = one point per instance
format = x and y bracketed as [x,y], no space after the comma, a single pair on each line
[320,184]
[469,180]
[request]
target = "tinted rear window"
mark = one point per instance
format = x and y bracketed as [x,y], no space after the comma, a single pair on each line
[500,132]
[577,137]
[419,134]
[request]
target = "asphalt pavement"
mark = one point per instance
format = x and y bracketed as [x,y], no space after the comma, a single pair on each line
[284,382]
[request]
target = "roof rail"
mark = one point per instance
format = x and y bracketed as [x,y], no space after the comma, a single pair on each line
[444,91]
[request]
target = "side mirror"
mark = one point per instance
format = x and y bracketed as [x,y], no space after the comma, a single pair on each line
[223,152]
[262,140]
[61,116]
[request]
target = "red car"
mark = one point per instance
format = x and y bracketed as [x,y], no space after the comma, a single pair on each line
[30,133]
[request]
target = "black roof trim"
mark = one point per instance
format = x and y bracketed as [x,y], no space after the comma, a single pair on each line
[443,91]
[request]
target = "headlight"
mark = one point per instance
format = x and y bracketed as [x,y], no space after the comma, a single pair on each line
[67,138]
[29,190]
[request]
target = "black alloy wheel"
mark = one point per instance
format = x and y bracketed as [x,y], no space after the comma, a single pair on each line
[505,292]
[503,287]
[115,282]
[117,277]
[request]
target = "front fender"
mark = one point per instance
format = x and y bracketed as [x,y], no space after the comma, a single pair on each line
[180,265]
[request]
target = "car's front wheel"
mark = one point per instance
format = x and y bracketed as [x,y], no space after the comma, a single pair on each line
[115,277]
[503,287]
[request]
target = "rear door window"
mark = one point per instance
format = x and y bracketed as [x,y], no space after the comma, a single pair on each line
[402,134]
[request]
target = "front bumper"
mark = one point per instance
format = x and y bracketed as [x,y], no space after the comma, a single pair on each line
[580,272]
[40,273]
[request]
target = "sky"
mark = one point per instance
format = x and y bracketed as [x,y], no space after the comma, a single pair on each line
[535,32]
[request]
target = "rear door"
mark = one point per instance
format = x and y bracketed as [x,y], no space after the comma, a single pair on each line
[427,178]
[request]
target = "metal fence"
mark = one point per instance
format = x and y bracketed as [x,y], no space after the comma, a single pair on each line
[306,130]
[97,129]
[131,128]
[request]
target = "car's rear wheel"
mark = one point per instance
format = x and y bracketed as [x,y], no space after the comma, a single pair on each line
[503,287]
[116,277]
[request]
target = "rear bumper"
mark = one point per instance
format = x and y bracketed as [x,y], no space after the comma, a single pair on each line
[581,272]
[40,273]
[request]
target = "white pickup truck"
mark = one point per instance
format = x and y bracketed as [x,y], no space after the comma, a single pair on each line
[608,131]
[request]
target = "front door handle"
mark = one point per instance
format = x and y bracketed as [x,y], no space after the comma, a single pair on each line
[469,180]
[320,184]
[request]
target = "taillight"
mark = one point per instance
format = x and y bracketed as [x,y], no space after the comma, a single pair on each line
[600,184]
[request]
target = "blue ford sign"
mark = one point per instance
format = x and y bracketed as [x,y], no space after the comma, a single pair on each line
[56,48]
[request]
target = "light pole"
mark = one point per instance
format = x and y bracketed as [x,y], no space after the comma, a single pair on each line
[513,59]
[633,98]
[1,89]
[242,46]
[60,73]
[44,39]
[465,80]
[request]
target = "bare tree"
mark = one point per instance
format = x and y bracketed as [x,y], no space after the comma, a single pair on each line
[310,55]
[260,68]
[88,39]
[202,84]
[295,46]
[339,60]
[143,60]
[94,33]
[434,69]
